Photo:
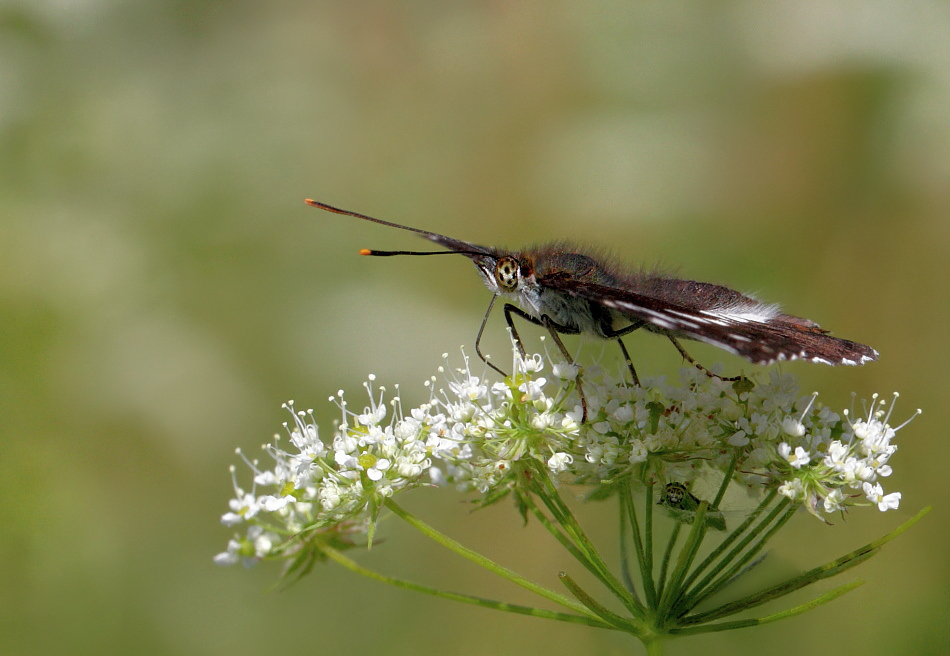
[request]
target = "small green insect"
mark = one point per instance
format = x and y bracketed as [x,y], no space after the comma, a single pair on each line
[682,505]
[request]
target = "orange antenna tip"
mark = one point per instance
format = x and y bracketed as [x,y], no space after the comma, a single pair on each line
[365,251]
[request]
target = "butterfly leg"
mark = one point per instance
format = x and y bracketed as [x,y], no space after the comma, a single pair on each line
[553,328]
[545,321]
[626,356]
[509,309]
[693,362]
[481,329]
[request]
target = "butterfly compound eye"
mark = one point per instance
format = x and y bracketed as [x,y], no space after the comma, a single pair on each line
[506,273]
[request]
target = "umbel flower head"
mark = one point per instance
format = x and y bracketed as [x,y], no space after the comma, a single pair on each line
[528,435]
[487,439]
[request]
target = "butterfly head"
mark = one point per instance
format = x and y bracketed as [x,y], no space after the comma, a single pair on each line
[502,272]
[505,274]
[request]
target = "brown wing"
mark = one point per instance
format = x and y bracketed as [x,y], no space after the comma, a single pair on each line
[722,317]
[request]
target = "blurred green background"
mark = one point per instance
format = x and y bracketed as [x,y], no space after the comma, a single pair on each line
[163,288]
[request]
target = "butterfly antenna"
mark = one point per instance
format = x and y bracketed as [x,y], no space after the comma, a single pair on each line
[456,246]
[369,251]
[337,210]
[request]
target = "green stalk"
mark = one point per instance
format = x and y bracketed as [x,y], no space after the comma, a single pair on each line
[481,560]
[732,537]
[791,612]
[563,515]
[709,587]
[587,619]
[827,570]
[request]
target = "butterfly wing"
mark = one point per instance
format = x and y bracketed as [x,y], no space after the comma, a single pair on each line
[719,316]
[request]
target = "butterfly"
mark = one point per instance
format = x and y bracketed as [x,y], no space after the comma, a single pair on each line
[570,290]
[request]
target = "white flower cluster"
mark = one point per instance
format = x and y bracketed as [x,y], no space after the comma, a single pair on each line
[335,489]
[487,437]
[853,461]
[813,455]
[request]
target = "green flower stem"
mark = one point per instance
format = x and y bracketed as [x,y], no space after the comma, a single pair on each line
[481,560]
[716,571]
[694,539]
[647,565]
[706,589]
[565,541]
[624,557]
[654,645]
[338,557]
[563,515]
[729,539]
[726,479]
[827,570]
[791,612]
[644,552]
[620,623]
[664,565]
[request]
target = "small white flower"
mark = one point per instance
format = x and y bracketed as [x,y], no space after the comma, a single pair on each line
[793,427]
[601,427]
[531,364]
[875,494]
[330,497]
[542,421]
[437,476]
[375,472]
[792,489]
[798,459]
[231,556]
[246,506]
[565,370]
[834,501]
[837,455]
[533,389]
[623,414]
[372,416]
[638,452]
[273,504]
[262,540]
[470,389]
[345,460]
[501,389]
[266,478]
[576,414]
[231,518]
[559,462]
[739,438]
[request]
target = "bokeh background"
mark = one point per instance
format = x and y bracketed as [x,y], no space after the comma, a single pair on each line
[163,288]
